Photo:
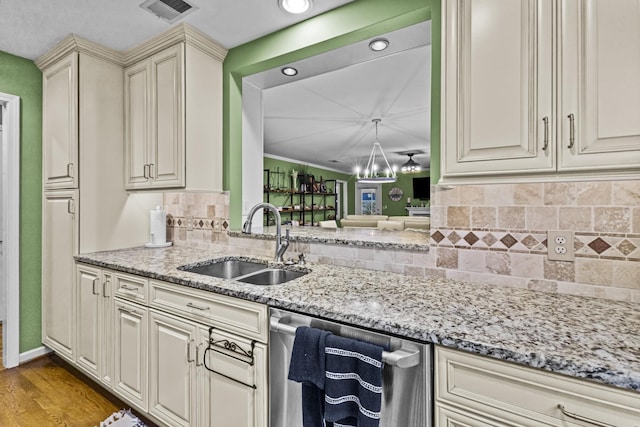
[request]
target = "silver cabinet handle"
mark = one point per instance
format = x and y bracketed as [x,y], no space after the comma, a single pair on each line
[572,130]
[128,290]
[189,359]
[70,170]
[151,173]
[93,285]
[197,307]
[104,288]
[146,171]
[198,354]
[70,207]
[545,120]
[581,418]
[126,310]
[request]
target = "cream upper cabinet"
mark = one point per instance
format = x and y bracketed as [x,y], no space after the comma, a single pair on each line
[60,123]
[510,110]
[173,113]
[599,85]
[59,245]
[154,102]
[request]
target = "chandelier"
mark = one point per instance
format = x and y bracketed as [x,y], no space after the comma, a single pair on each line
[410,166]
[371,174]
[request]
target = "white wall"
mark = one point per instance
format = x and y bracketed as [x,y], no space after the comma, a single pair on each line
[252,151]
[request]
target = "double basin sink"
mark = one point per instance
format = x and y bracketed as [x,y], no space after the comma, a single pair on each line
[253,272]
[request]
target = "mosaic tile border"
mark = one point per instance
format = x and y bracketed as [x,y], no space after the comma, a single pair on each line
[196,223]
[588,245]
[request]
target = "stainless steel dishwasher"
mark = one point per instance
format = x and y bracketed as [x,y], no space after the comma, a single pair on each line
[406,394]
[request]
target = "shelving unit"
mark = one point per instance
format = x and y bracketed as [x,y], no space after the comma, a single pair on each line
[303,206]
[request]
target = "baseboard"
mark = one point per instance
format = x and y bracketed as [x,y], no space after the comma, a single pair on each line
[27,356]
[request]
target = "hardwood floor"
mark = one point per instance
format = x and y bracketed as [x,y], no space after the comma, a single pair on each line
[49,392]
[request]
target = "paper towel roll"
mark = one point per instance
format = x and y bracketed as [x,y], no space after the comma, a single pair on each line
[157,227]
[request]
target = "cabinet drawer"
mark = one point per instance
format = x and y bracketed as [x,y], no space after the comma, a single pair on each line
[132,288]
[246,318]
[521,394]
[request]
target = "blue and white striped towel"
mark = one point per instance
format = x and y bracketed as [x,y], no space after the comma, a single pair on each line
[353,382]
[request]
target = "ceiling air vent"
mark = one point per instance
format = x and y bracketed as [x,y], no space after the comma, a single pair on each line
[169,10]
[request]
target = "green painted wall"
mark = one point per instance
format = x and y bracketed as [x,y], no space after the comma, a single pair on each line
[21,77]
[405,183]
[348,24]
[286,167]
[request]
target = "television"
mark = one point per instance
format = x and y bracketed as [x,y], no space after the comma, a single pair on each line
[422,188]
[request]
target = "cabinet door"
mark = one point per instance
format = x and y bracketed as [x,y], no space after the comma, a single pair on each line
[600,87]
[235,392]
[172,381]
[130,348]
[167,123]
[89,302]
[137,93]
[60,124]
[497,70]
[59,245]
[106,329]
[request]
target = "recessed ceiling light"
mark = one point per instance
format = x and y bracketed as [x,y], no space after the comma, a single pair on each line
[295,6]
[289,71]
[379,44]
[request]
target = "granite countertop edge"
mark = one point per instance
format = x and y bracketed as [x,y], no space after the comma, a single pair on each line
[336,240]
[592,368]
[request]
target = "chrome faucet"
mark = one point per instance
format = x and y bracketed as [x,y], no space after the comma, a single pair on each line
[281,244]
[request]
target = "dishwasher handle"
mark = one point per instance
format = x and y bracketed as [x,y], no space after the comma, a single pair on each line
[399,358]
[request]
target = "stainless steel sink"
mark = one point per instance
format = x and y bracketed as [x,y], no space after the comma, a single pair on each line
[271,276]
[253,272]
[227,269]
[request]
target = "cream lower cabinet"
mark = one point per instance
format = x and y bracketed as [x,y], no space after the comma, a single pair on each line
[234,383]
[59,245]
[182,356]
[172,370]
[89,322]
[563,101]
[130,353]
[473,390]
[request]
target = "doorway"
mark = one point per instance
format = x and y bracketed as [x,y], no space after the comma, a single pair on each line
[368,201]
[9,228]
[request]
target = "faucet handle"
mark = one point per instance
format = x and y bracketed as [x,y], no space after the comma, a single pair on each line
[301,260]
[286,233]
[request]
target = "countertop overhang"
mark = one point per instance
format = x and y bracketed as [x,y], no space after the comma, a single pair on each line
[594,339]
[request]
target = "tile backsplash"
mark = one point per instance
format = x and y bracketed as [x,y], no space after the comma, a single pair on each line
[493,234]
[197,219]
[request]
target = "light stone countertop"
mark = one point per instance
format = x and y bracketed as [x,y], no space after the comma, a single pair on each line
[356,236]
[582,337]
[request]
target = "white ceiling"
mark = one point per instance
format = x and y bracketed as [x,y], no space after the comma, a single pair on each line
[29,28]
[327,117]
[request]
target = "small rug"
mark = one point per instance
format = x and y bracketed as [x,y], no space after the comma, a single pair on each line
[122,418]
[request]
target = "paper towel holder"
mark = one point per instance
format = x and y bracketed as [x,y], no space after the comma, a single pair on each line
[157,231]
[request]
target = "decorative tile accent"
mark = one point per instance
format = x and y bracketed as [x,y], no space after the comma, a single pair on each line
[471,238]
[508,240]
[586,244]
[437,236]
[599,245]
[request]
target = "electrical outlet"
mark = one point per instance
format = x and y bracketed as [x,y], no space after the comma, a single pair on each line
[217,225]
[189,223]
[560,245]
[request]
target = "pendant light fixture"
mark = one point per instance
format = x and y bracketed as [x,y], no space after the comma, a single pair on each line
[410,166]
[372,175]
